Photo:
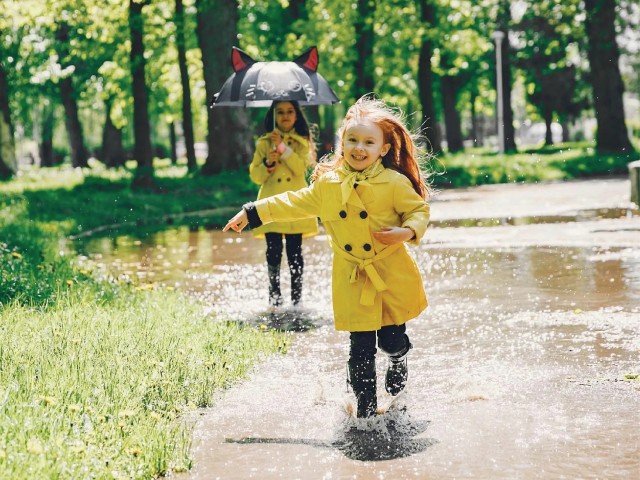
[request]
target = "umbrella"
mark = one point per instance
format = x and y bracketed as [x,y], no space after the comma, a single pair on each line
[259,84]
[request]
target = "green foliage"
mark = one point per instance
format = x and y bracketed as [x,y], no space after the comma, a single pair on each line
[562,162]
[97,390]
[99,197]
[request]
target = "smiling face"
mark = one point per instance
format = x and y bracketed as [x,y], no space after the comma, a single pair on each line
[363,143]
[285,116]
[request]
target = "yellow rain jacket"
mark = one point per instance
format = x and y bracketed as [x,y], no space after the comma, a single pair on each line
[288,175]
[374,285]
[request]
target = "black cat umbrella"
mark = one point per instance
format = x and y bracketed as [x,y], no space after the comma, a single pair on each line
[259,84]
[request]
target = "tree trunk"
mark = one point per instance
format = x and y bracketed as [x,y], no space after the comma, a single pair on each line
[47,158]
[565,130]
[79,155]
[187,121]
[606,82]
[474,121]
[142,150]
[548,134]
[504,24]
[228,138]
[112,152]
[363,25]
[449,87]
[8,163]
[425,79]
[173,141]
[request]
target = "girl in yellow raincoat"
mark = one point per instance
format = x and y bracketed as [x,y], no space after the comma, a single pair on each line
[371,199]
[280,162]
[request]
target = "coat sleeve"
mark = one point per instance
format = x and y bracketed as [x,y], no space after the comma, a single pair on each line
[412,208]
[290,206]
[296,157]
[257,170]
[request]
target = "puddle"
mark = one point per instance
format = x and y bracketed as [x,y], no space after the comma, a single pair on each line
[523,367]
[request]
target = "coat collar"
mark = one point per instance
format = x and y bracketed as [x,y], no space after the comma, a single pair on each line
[384,177]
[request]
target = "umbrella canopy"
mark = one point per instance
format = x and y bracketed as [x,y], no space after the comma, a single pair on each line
[259,84]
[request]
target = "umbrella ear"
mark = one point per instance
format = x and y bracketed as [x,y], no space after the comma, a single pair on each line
[240,60]
[309,59]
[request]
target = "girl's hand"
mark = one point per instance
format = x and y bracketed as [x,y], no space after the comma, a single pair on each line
[393,235]
[275,138]
[273,160]
[238,222]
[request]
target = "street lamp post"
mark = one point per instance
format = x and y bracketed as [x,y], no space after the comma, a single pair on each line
[498,36]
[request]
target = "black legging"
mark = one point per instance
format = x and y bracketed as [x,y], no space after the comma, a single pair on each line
[392,340]
[293,247]
[296,265]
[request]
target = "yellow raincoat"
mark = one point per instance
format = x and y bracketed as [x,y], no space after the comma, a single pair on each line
[374,285]
[288,175]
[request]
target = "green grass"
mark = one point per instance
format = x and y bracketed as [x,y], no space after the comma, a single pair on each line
[98,378]
[560,162]
[95,389]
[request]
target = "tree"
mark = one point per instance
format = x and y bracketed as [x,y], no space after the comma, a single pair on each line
[504,25]
[364,34]
[228,137]
[547,37]
[7,145]
[450,87]
[187,120]
[79,155]
[425,75]
[143,154]
[606,81]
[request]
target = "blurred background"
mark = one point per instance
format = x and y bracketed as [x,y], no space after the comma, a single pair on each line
[130,80]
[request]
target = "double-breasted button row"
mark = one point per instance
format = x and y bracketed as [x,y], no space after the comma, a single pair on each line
[288,180]
[366,247]
[363,214]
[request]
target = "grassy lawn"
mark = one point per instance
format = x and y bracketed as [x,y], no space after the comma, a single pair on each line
[561,162]
[96,377]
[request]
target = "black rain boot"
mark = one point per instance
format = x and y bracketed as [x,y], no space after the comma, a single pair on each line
[362,378]
[398,372]
[275,297]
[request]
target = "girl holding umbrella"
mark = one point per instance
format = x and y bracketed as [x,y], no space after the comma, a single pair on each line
[280,162]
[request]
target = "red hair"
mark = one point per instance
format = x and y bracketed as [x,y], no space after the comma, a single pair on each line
[403,154]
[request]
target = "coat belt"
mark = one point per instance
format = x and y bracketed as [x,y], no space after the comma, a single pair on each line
[373,282]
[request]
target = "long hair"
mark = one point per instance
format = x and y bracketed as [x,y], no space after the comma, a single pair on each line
[301,126]
[403,156]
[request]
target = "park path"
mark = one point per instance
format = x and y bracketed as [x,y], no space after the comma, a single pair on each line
[522,366]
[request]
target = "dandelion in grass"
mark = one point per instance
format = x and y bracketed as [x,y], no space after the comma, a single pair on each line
[16,255]
[48,400]
[34,446]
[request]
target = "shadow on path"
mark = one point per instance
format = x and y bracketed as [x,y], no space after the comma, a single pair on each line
[385,437]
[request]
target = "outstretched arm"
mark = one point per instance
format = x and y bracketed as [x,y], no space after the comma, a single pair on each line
[238,222]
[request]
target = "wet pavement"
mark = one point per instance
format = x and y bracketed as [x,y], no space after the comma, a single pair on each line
[524,366]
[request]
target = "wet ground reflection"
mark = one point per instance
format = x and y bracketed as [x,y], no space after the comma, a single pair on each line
[525,365]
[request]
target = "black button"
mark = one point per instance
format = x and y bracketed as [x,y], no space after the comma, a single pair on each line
[347,247]
[288,179]
[367,247]
[279,180]
[363,214]
[343,214]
